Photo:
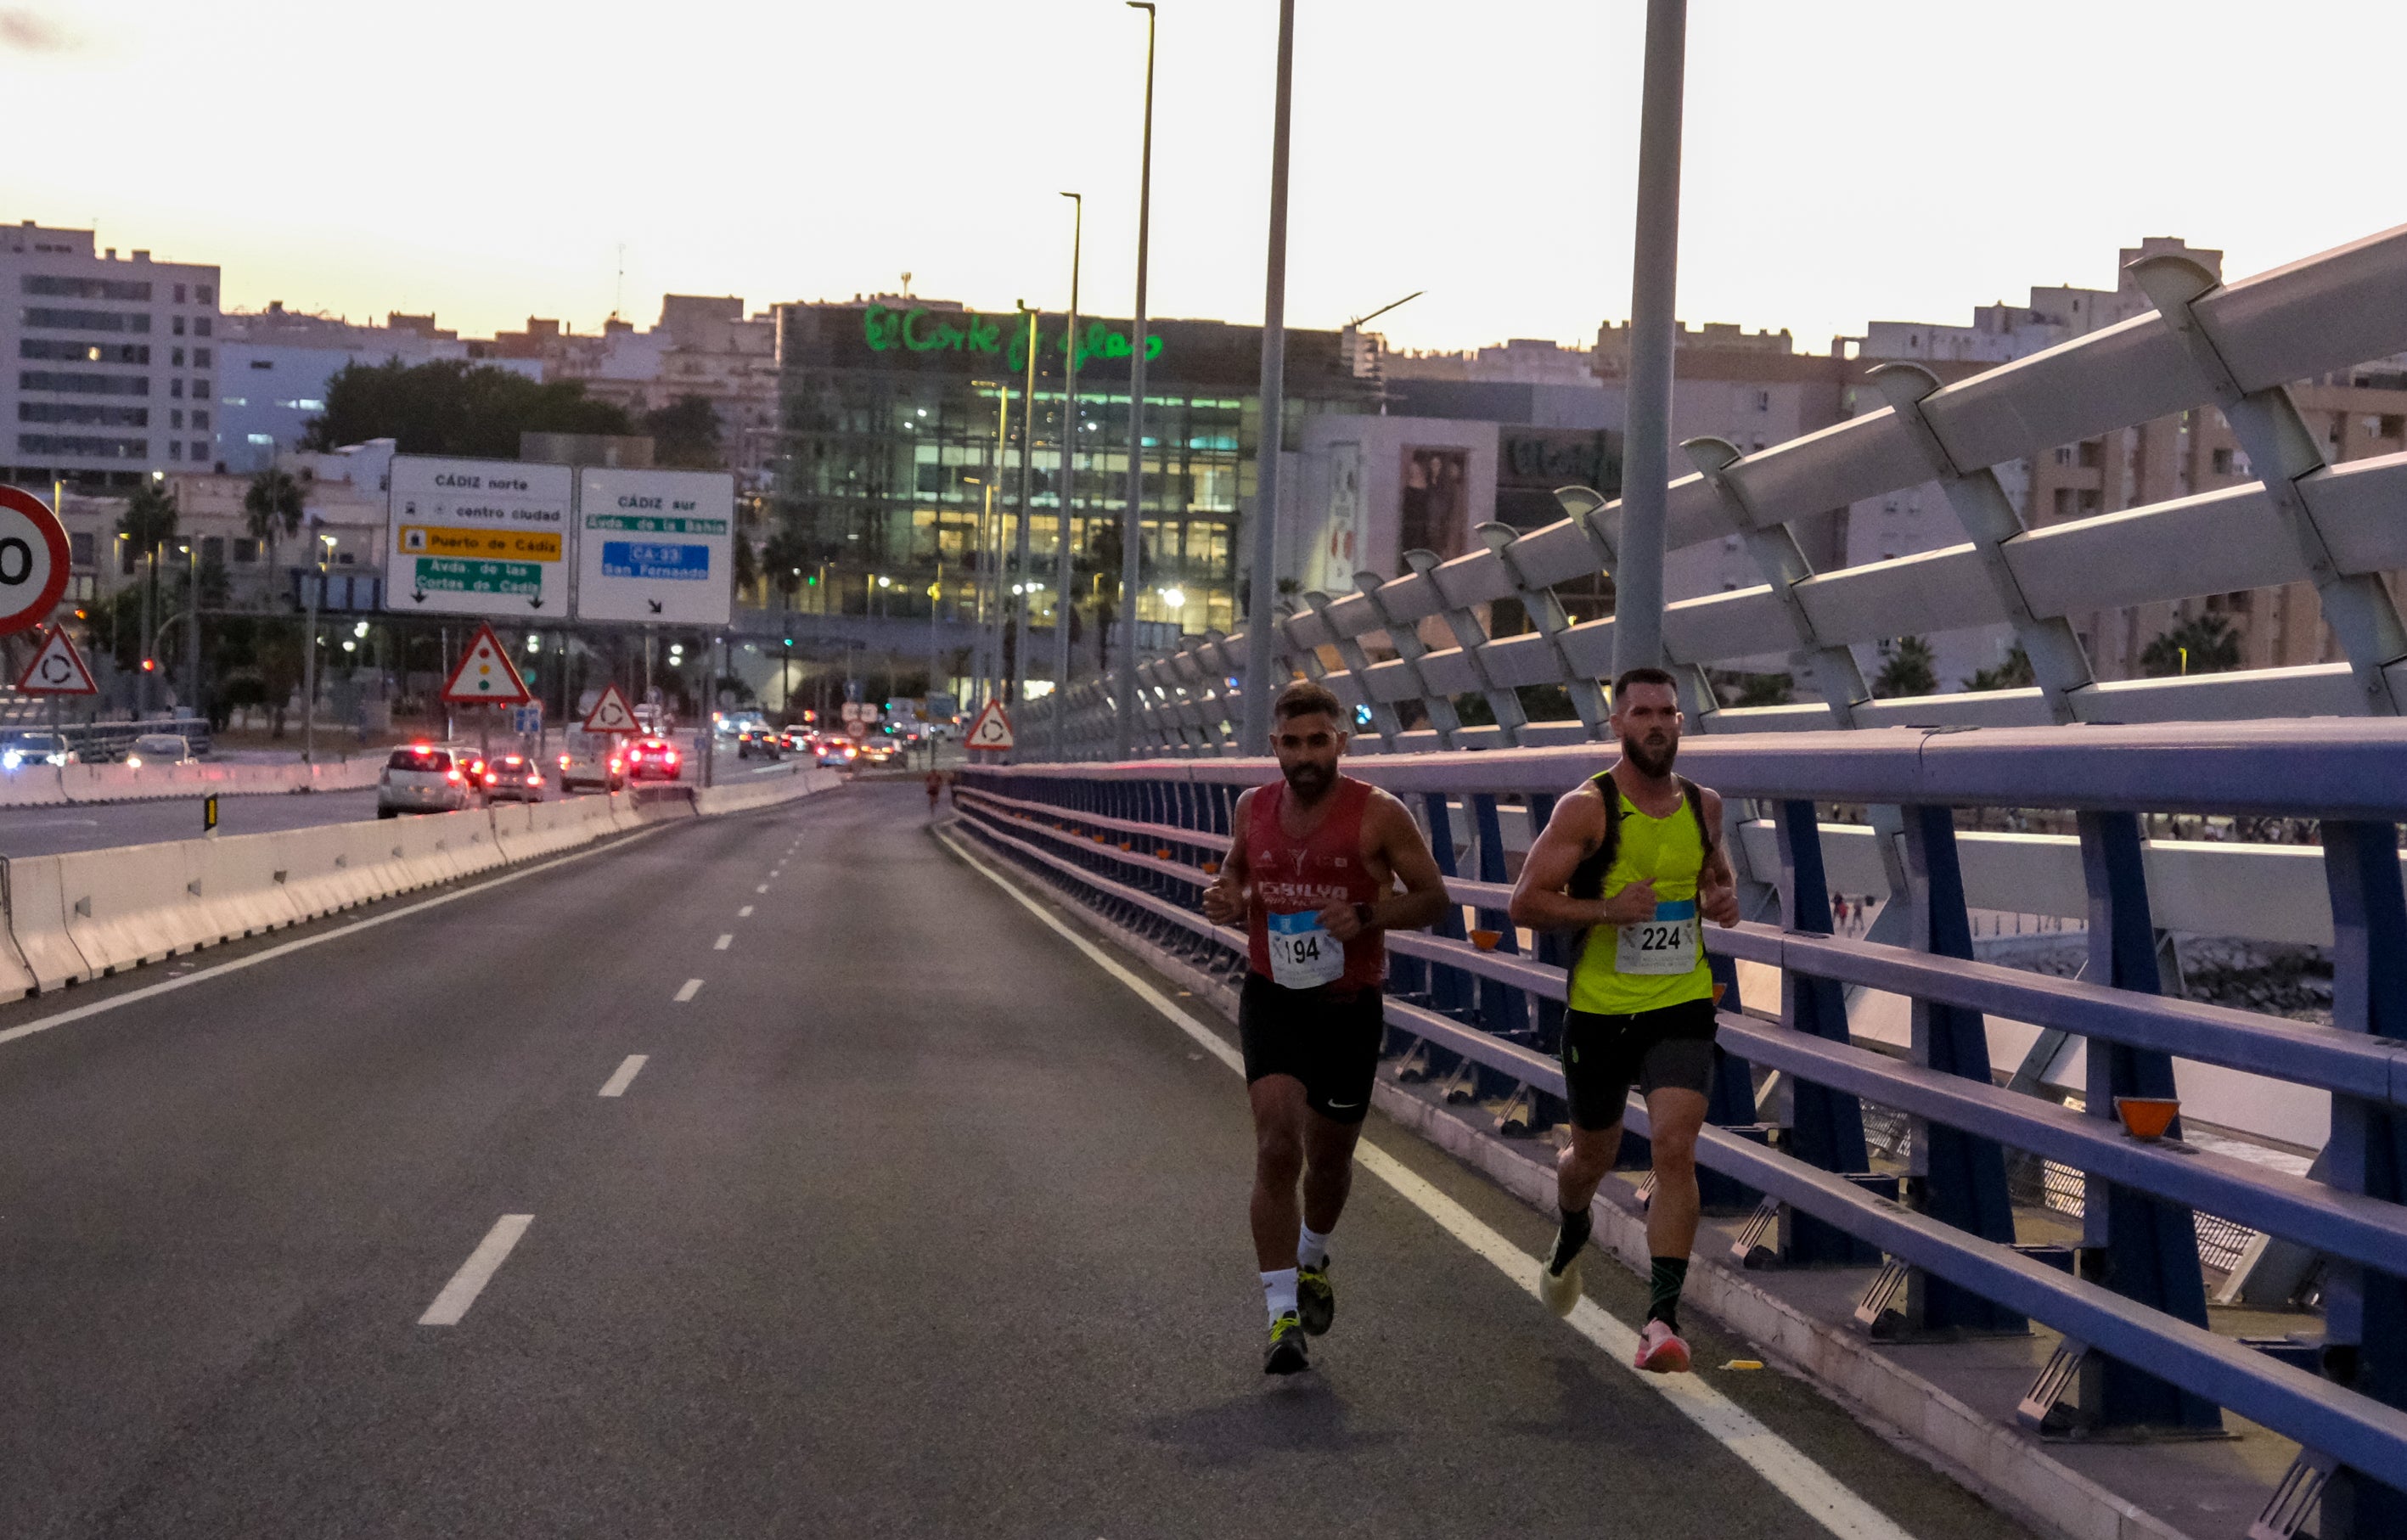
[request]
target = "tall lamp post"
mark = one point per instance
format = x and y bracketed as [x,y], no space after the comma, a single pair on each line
[1259,649]
[1069,489]
[1645,479]
[316,582]
[1019,605]
[1132,522]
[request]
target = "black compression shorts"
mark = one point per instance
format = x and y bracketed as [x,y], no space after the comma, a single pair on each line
[1327,1039]
[1604,1056]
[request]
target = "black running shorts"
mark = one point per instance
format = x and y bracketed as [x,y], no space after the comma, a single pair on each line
[1328,1039]
[1604,1056]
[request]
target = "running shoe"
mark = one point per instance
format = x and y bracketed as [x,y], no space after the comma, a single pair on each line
[1561,1291]
[1316,1302]
[1285,1354]
[1661,1351]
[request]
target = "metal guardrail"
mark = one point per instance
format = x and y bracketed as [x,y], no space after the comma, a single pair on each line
[2231,348]
[1133,838]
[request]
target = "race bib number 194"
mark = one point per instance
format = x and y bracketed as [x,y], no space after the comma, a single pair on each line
[1302,955]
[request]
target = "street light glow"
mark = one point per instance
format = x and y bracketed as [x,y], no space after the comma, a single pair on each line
[1175,598]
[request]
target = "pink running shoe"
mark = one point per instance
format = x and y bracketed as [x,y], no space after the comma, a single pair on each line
[1661,1351]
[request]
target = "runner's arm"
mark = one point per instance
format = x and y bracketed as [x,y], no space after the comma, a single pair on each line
[1572,833]
[1397,840]
[1224,897]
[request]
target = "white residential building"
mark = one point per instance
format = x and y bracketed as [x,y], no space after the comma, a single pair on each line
[111,362]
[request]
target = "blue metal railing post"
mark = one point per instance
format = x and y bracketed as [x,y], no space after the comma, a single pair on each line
[1955,1176]
[1448,993]
[1826,1126]
[1502,1007]
[2140,1248]
[2365,1312]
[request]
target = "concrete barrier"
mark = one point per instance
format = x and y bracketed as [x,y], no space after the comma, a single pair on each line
[74,917]
[50,785]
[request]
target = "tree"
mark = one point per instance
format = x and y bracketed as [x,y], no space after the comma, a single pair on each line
[747,569]
[1909,669]
[785,554]
[685,432]
[272,508]
[2205,644]
[2014,674]
[453,406]
[148,521]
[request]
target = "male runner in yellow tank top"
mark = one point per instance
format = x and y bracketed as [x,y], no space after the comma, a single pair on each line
[1640,997]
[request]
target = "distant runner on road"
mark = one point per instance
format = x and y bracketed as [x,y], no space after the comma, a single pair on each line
[1629,861]
[936,785]
[1312,871]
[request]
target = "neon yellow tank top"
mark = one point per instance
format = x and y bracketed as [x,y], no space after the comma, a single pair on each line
[1609,978]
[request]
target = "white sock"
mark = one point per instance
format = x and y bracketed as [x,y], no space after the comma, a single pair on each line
[1311,1248]
[1278,1292]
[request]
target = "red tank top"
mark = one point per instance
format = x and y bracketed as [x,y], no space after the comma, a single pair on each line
[1293,876]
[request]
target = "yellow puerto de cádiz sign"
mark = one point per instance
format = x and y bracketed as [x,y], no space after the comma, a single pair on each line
[512,545]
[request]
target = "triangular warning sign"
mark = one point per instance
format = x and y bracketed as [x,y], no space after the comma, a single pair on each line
[485,674]
[57,669]
[992,729]
[612,714]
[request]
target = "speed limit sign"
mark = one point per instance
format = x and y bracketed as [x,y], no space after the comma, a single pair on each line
[32,560]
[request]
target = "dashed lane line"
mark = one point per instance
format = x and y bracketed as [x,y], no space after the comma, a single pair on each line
[476,1271]
[722,943]
[762,888]
[693,988]
[1822,1496]
[625,1075]
[355,924]
[744,913]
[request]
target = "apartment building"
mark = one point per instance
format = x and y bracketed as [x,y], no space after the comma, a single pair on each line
[110,361]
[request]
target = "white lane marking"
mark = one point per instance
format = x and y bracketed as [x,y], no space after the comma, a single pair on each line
[744,913]
[762,888]
[616,1085]
[722,943]
[1821,1495]
[476,1271]
[693,988]
[352,928]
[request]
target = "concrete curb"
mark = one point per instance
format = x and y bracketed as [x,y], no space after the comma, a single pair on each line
[1998,1463]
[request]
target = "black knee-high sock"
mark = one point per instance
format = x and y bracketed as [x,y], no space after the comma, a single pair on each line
[1663,1286]
[1569,1239]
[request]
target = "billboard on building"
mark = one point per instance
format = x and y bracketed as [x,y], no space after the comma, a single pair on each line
[655,546]
[478,537]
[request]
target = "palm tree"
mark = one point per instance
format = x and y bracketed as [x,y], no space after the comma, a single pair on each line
[784,553]
[2205,644]
[273,505]
[1909,670]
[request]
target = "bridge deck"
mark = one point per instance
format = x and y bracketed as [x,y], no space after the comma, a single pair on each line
[915,1221]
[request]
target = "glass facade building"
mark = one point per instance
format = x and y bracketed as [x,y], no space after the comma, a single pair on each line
[894,467]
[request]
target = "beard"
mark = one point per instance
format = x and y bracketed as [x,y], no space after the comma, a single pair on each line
[1309,781]
[1654,760]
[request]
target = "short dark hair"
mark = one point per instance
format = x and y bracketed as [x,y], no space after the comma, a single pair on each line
[1629,677]
[1307,698]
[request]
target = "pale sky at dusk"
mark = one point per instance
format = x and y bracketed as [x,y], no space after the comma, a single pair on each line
[1899,161]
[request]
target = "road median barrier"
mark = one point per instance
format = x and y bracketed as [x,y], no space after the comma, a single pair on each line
[86,913]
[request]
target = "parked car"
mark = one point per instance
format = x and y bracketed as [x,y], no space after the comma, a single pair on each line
[652,759]
[591,762]
[22,749]
[513,777]
[423,778]
[160,748]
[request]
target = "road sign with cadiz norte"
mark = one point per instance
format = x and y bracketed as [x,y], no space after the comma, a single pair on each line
[487,538]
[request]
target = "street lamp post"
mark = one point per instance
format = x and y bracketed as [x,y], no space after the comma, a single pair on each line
[1020,557]
[1132,522]
[317,583]
[1638,587]
[1061,573]
[1259,649]
[192,622]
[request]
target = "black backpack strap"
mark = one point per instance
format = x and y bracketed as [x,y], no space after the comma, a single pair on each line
[1695,797]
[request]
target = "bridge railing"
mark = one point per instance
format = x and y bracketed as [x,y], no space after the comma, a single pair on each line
[2231,349]
[1138,839]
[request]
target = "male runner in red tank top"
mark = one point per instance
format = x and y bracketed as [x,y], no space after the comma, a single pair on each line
[1312,870]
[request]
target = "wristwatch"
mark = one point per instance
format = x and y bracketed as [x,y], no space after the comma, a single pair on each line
[1362,917]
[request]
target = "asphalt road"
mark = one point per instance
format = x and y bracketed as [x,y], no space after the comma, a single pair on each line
[913,1222]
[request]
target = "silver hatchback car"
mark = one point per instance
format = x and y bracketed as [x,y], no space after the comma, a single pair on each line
[423,779]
